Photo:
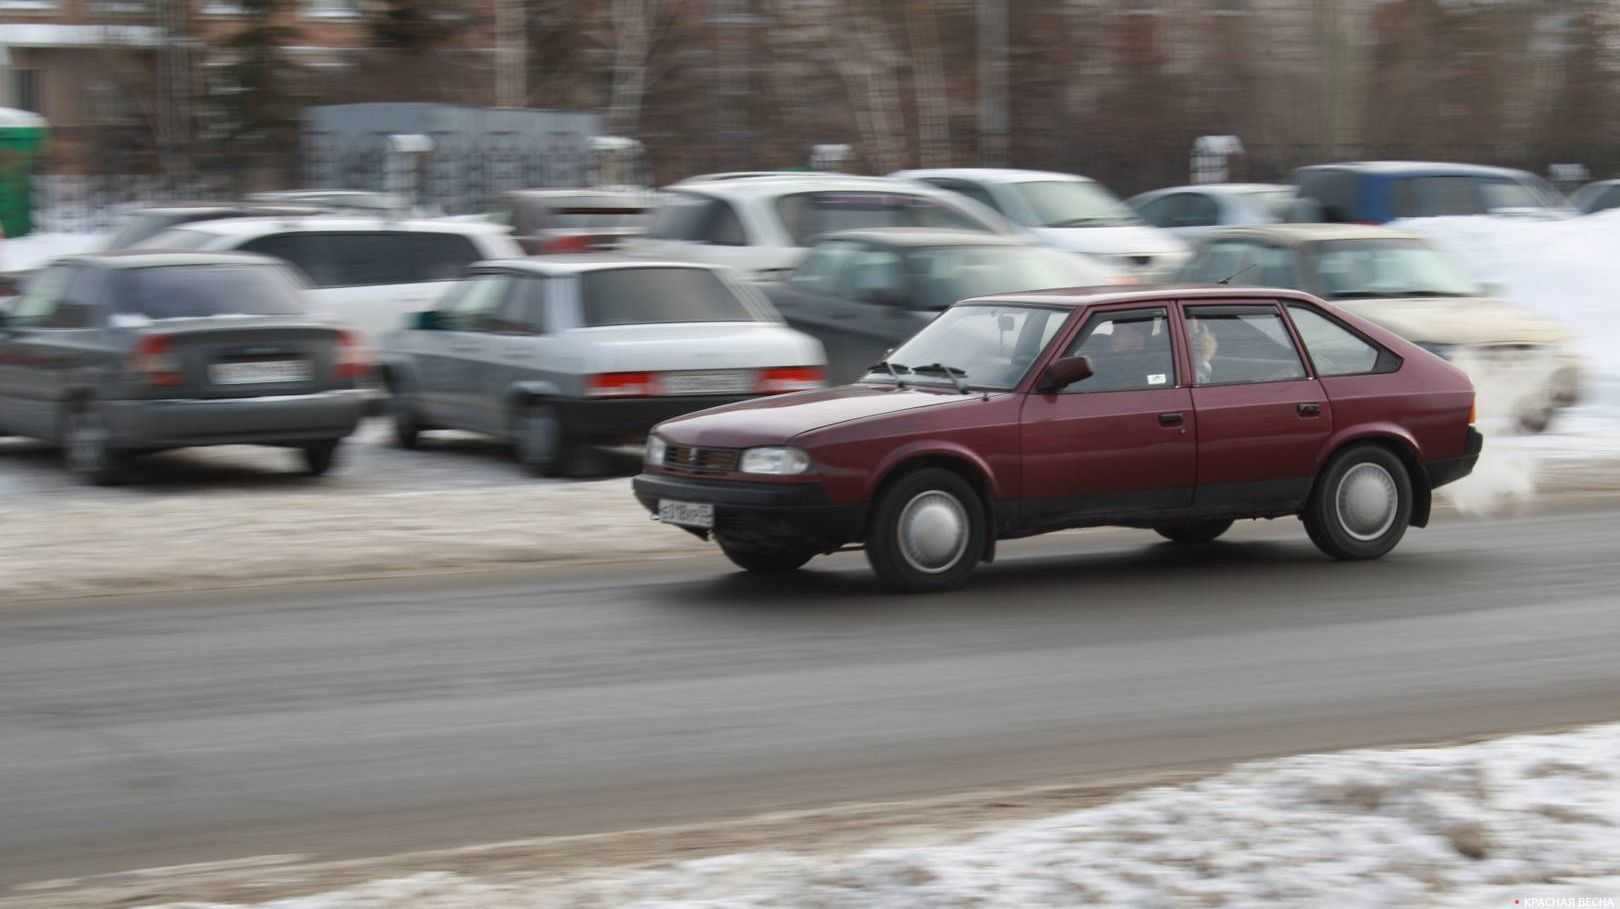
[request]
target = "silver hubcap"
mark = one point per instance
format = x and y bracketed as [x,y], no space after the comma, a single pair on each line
[1368,500]
[933,531]
[87,443]
[540,437]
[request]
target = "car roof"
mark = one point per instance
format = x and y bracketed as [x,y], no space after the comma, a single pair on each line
[780,185]
[326,222]
[921,237]
[1219,189]
[140,258]
[1439,168]
[1297,234]
[606,198]
[556,265]
[990,175]
[1073,297]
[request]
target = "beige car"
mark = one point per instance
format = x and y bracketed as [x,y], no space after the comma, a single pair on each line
[1523,363]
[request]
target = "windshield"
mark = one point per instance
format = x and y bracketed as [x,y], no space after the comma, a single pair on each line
[194,291]
[1277,204]
[643,296]
[947,274]
[1348,269]
[1073,203]
[988,345]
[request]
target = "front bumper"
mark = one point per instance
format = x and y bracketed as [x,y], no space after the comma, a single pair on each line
[268,420]
[628,420]
[760,513]
[1450,470]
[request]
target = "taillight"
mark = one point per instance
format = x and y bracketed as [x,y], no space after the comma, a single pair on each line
[621,385]
[568,243]
[353,361]
[790,378]
[1473,412]
[154,359]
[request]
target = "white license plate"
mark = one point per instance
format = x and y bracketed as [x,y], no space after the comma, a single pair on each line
[265,372]
[686,514]
[714,382]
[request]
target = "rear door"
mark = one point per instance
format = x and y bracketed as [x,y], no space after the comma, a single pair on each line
[498,351]
[1121,444]
[1262,418]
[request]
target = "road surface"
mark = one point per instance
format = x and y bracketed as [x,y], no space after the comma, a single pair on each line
[376,717]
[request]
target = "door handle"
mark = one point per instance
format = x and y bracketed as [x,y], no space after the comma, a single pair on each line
[1309,410]
[1172,419]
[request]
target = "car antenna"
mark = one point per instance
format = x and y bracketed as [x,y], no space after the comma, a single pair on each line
[1228,279]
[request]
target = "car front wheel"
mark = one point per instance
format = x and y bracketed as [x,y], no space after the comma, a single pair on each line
[928,532]
[1362,504]
[319,457]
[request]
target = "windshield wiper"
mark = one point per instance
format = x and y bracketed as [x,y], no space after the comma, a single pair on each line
[941,369]
[893,369]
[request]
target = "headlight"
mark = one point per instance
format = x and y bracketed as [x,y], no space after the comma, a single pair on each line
[1443,351]
[655,449]
[778,461]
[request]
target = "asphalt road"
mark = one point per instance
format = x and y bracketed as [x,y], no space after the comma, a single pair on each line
[371,718]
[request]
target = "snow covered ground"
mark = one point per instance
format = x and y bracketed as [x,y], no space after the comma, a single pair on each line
[34,250]
[1527,821]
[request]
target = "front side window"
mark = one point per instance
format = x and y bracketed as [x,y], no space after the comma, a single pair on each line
[876,277]
[821,272]
[1234,345]
[1375,268]
[646,296]
[987,346]
[1073,203]
[1334,349]
[1129,351]
[469,306]
[197,291]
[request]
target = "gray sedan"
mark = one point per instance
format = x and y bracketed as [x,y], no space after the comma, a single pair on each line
[123,353]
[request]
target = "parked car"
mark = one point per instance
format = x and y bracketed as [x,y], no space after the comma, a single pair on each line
[1177,409]
[574,220]
[1377,192]
[355,201]
[1600,195]
[763,226]
[119,354]
[1069,212]
[863,292]
[1190,212]
[366,272]
[557,352]
[142,224]
[1401,282]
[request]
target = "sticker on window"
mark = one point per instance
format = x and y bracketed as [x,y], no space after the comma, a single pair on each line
[1157,378]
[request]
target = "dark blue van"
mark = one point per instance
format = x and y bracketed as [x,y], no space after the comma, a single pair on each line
[1375,192]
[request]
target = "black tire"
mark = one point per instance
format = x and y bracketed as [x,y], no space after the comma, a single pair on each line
[540,440]
[319,456]
[1538,421]
[87,447]
[916,569]
[1361,473]
[402,413]
[1193,533]
[766,559]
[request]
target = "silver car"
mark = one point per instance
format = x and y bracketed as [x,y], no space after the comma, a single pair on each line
[559,352]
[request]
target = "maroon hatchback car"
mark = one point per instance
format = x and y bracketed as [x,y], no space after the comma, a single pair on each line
[1176,409]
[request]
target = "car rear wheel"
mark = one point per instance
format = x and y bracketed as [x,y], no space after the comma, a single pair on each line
[541,441]
[1194,532]
[928,532]
[87,447]
[766,559]
[1362,504]
[319,457]
[407,425]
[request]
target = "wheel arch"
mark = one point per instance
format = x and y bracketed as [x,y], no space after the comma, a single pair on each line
[1398,442]
[965,464]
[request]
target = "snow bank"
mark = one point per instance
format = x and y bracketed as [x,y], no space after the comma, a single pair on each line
[1533,819]
[34,250]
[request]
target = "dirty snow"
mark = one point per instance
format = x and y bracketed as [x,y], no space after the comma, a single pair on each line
[1534,819]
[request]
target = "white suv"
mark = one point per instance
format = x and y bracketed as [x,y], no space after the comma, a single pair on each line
[366,272]
[762,225]
[1067,211]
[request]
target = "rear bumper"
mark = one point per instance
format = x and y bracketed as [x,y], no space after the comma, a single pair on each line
[608,420]
[268,420]
[1450,470]
[762,513]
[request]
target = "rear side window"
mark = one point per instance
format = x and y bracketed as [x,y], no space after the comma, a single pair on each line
[1334,349]
[1233,345]
[442,257]
[1193,210]
[1332,189]
[1433,197]
[643,296]
[192,291]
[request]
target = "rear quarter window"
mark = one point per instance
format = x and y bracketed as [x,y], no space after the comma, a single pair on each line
[644,296]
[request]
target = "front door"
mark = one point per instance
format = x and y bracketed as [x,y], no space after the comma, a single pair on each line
[1121,444]
[1261,419]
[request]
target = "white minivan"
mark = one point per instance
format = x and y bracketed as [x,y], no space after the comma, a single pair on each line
[364,271]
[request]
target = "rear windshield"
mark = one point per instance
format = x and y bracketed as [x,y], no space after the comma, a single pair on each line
[641,296]
[192,291]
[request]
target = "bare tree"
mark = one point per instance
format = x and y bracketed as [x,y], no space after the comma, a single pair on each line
[633,22]
[928,82]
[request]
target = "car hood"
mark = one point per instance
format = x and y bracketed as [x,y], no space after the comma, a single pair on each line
[694,345]
[1119,240]
[777,420]
[1458,320]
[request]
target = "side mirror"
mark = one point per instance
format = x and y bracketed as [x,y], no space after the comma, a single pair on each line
[426,320]
[1063,372]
